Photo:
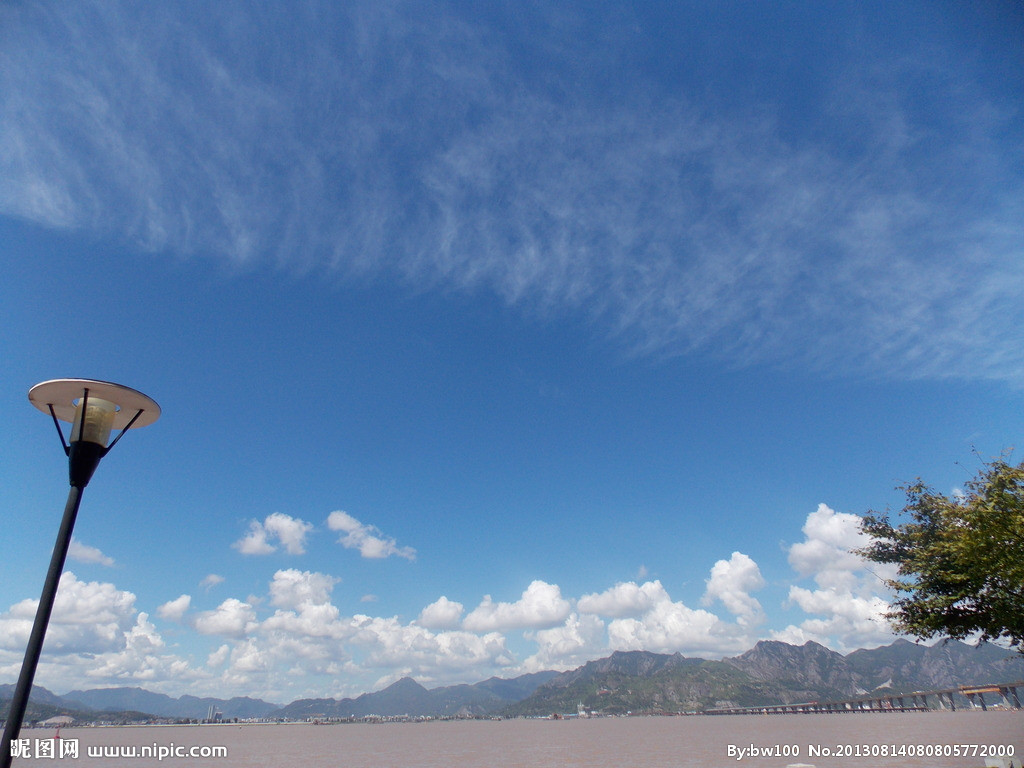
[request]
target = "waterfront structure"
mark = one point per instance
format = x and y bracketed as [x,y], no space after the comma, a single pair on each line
[917,701]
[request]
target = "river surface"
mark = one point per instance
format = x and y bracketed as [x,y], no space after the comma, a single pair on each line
[644,742]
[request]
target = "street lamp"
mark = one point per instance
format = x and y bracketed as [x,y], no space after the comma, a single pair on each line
[94,409]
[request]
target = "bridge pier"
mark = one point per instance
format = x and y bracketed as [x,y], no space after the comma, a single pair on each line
[1010,690]
[916,701]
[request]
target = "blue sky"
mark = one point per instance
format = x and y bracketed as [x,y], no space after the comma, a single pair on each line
[493,339]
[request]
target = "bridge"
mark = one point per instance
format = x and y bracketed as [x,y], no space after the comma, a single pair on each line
[917,701]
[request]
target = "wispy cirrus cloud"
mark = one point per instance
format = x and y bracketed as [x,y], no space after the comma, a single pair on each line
[881,239]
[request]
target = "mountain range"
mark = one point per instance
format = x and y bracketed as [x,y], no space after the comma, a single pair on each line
[407,697]
[129,704]
[771,672]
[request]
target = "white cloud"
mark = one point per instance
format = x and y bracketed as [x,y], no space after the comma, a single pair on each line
[851,621]
[306,622]
[247,658]
[849,604]
[99,638]
[140,659]
[173,610]
[370,542]
[211,580]
[255,542]
[218,657]
[826,552]
[314,640]
[95,637]
[574,643]
[232,618]
[289,531]
[624,599]
[732,581]
[295,589]
[678,227]
[670,627]
[441,614]
[83,553]
[88,617]
[410,647]
[541,605]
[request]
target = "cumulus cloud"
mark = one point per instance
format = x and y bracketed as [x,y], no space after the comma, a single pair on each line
[173,610]
[232,618]
[368,539]
[218,657]
[95,637]
[850,601]
[286,642]
[441,614]
[140,659]
[624,599]
[309,636]
[256,541]
[247,658]
[83,553]
[294,589]
[670,627]
[848,620]
[211,580]
[409,646]
[305,623]
[572,644]
[825,553]
[645,617]
[541,605]
[289,532]
[732,581]
[88,617]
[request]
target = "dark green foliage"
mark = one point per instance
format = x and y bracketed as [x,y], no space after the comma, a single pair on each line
[960,560]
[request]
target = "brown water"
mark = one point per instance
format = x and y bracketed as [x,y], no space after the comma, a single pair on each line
[669,742]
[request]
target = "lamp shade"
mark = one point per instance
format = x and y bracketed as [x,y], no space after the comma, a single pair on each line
[65,397]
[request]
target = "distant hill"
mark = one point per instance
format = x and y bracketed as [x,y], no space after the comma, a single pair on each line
[38,695]
[44,704]
[640,681]
[904,666]
[800,673]
[407,697]
[111,699]
[130,704]
[770,673]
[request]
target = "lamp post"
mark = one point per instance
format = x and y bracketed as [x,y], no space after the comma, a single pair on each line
[94,409]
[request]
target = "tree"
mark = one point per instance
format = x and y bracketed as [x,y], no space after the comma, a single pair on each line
[960,560]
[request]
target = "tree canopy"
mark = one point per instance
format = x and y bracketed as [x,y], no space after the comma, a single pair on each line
[960,559]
